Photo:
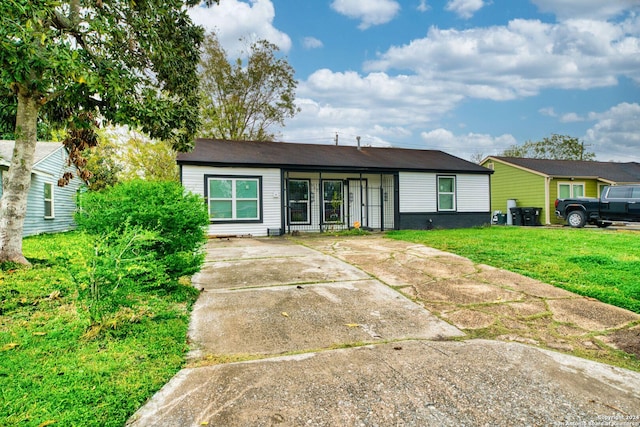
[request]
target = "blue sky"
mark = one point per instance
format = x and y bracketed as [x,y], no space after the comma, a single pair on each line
[469,77]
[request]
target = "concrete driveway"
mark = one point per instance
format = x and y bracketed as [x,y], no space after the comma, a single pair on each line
[328,333]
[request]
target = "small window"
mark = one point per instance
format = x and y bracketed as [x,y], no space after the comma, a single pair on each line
[601,188]
[48,200]
[299,201]
[446,193]
[234,199]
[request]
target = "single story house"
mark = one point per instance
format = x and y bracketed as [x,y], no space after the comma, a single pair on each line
[265,188]
[50,208]
[539,182]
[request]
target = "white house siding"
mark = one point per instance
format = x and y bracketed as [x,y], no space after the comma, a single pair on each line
[418,192]
[49,170]
[473,193]
[271,199]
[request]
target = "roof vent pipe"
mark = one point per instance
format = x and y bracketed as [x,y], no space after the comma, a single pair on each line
[358,139]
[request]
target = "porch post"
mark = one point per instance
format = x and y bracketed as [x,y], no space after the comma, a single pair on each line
[362,205]
[320,202]
[285,202]
[381,203]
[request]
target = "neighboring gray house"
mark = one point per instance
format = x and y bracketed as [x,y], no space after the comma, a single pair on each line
[264,188]
[50,208]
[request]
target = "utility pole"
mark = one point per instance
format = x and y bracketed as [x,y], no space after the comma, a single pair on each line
[336,138]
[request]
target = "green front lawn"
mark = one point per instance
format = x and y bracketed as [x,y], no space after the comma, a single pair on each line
[56,368]
[603,264]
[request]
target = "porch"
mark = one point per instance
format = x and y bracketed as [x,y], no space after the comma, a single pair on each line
[317,201]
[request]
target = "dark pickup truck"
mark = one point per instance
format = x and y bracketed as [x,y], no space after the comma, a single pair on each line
[616,203]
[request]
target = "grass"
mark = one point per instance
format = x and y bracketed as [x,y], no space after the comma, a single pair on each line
[56,368]
[602,264]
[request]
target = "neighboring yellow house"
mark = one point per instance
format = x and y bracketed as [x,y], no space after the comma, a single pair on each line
[539,182]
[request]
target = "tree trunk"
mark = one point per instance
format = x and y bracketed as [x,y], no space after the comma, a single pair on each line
[16,182]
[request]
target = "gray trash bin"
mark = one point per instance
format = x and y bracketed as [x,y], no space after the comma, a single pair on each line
[516,216]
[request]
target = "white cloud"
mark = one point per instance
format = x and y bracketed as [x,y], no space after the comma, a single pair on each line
[571,118]
[616,134]
[548,111]
[392,100]
[369,12]
[600,9]
[423,6]
[234,19]
[466,145]
[311,43]
[464,8]
[564,118]
[520,59]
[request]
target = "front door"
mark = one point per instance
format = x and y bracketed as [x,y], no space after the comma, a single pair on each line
[358,205]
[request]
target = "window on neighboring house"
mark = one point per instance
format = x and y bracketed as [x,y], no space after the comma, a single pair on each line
[299,201]
[48,200]
[601,188]
[446,193]
[570,190]
[332,200]
[234,198]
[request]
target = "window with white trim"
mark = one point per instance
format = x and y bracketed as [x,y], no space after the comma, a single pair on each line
[446,193]
[234,198]
[48,201]
[570,190]
[298,191]
[601,188]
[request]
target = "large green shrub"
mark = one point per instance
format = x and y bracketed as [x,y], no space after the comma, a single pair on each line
[165,208]
[114,269]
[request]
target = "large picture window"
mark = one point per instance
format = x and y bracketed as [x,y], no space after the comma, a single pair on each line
[332,202]
[234,198]
[298,191]
[569,190]
[446,193]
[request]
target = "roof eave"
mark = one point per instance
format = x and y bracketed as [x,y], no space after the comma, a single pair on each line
[504,162]
[332,168]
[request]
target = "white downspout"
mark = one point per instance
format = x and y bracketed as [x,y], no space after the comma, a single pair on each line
[547,209]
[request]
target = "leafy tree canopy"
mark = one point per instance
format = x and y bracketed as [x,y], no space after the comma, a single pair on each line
[128,62]
[125,155]
[82,62]
[243,100]
[556,147]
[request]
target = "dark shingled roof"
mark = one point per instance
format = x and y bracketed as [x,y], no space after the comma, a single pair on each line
[323,157]
[612,171]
